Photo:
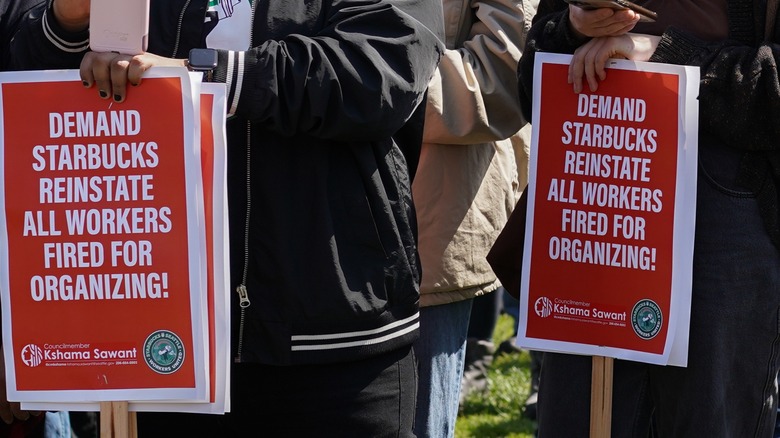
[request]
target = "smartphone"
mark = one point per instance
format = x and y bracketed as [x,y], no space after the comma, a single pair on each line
[119,26]
[644,13]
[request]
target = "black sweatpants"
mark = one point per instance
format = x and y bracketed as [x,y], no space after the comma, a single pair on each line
[369,398]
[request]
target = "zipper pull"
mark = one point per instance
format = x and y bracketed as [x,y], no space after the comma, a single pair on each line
[243,296]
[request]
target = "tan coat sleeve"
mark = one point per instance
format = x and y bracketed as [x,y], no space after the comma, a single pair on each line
[473,96]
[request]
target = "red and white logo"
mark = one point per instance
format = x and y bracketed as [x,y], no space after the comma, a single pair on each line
[32,355]
[543,307]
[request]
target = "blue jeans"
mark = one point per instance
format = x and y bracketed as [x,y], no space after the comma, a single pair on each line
[728,388]
[440,352]
[46,425]
[57,425]
[511,308]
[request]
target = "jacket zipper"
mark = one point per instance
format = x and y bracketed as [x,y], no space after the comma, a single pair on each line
[243,294]
[178,29]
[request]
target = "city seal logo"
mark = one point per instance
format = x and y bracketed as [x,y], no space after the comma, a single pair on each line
[646,319]
[32,355]
[164,352]
[543,307]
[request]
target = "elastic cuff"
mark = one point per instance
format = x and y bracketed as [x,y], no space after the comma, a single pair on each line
[677,47]
[71,42]
[230,70]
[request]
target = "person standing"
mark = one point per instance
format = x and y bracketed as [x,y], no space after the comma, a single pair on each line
[322,236]
[736,266]
[472,167]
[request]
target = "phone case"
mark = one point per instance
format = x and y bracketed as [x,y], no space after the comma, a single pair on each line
[119,26]
[645,14]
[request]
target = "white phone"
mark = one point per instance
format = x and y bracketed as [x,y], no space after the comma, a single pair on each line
[119,26]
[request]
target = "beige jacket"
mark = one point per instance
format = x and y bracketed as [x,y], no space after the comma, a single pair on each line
[474,161]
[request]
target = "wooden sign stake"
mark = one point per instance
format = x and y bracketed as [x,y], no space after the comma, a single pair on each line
[116,421]
[601,397]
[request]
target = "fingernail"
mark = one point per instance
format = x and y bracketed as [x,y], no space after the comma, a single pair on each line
[86,84]
[103,94]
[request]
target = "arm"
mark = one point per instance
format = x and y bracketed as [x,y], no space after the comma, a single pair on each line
[478,79]
[359,77]
[591,58]
[562,29]
[733,76]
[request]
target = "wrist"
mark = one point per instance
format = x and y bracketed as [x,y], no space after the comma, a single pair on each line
[571,33]
[203,60]
[574,32]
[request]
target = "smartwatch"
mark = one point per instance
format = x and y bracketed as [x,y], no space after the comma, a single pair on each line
[204,60]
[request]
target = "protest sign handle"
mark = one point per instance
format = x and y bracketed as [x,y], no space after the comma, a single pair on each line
[116,421]
[601,397]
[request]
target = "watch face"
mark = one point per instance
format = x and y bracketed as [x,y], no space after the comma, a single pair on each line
[203,59]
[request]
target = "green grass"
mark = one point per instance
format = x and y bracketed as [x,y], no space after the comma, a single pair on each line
[498,413]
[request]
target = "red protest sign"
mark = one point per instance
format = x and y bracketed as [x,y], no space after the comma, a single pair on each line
[605,206]
[103,257]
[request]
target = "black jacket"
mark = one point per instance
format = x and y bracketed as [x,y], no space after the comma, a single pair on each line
[11,13]
[328,225]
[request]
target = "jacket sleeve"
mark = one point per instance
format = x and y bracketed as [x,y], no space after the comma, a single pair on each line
[473,95]
[359,77]
[42,44]
[739,92]
[549,34]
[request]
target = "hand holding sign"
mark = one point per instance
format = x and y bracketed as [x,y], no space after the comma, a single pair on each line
[111,71]
[590,59]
